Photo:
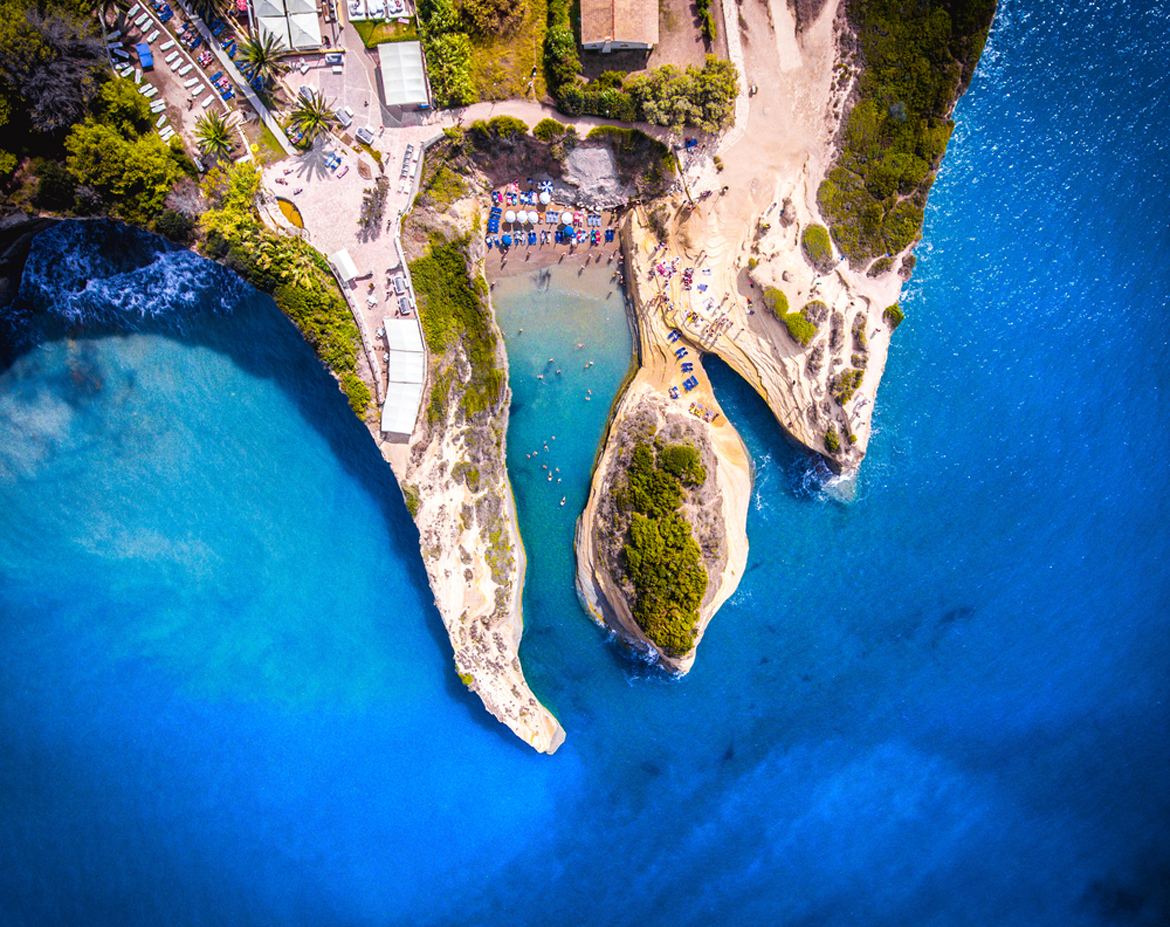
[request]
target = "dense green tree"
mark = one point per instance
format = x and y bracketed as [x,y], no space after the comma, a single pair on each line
[120,106]
[136,174]
[52,60]
[700,97]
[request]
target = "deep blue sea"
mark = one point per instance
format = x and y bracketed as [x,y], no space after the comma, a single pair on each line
[226,697]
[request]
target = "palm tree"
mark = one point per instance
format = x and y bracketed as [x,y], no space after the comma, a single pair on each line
[261,56]
[312,115]
[214,136]
[207,10]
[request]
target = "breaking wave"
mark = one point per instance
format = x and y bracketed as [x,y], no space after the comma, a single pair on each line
[101,274]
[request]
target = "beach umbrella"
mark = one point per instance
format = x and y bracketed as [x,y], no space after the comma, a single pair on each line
[510,216]
[506,241]
[522,216]
[568,230]
[567,218]
[545,199]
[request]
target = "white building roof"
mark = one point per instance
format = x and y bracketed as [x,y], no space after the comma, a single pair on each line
[401,407]
[264,8]
[407,367]
[277,26]
[404,80]
[403,335]
[344,265]
[304,30]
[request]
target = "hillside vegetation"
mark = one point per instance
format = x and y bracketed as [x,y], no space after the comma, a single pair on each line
[917,60]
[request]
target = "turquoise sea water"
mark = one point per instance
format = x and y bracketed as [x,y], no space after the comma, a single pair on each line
[225,697]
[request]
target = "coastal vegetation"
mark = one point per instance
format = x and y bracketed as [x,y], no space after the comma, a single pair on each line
[916,61]
[893,315]
[289,268]
[662,560]
[455,315]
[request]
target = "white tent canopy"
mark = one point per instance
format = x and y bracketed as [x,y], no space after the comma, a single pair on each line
[401,407]
[300,6]
[403,80]
[344,265]
[403,335]
[264,8]
[276,26]
[304,30]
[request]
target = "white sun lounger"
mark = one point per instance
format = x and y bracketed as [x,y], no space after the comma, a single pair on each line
[142,20]
[191,82]
[159,122]
[138,75]
[157,106]
[167,134]
[168,44]
[121,53]
[207,100]
[133,11]
[116,34]
[153,35]
[151,92]
[185,70]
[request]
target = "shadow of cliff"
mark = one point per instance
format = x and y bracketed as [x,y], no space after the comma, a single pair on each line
[262,342]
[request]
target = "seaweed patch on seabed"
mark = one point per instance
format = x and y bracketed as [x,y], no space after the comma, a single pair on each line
[542,279]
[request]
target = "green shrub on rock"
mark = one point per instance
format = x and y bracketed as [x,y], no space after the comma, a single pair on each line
[548,130]
[893,315]
[818,248]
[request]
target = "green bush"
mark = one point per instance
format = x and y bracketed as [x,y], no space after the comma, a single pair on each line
[449,68]
[776,302]
[832,441]
[700,97]
[817,248]
[547,130]
[801,330]
[411,497]
[56,188]
[893,315]
[357,391]
[844,385]
[507,126]
[561,61]
[880,266]
[175,226]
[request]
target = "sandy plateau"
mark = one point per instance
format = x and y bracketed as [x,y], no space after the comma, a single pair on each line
[700,270]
